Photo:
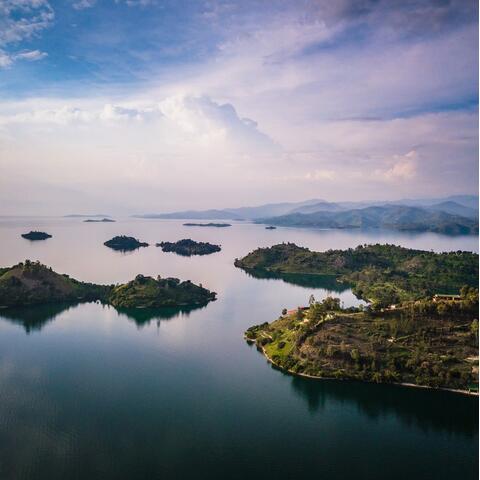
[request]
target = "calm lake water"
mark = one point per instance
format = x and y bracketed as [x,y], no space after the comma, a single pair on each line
[91,393]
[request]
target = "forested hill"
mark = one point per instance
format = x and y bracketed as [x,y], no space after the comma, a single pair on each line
[383,274]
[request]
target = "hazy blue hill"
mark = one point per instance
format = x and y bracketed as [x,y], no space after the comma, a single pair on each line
[319,207]
[389,217]
[470,201]
[272,209]
[194,215]
[455,208]
[463,205]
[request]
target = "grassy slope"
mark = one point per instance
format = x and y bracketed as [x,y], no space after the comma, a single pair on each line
[405,346]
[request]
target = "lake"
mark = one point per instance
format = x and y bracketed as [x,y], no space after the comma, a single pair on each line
[88,392]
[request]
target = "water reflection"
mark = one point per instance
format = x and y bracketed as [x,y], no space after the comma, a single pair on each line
[326,282]
[35,318]
[421,408]
[143,316]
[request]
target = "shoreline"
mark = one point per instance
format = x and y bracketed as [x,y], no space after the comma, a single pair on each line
[401,384]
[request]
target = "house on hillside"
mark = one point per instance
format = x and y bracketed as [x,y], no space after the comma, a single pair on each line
[445,297]
[295,310]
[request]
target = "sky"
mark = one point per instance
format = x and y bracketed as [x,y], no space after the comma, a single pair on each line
[135,106]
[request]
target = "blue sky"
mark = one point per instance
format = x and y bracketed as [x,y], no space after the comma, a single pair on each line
[260,101]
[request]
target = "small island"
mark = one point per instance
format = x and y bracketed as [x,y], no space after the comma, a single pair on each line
[147,292]
[31,283]
[102,220]
[188,247]
[124,244]
[211,224]
[270,227]
[34,235]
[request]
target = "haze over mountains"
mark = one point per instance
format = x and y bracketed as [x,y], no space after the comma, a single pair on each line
[453,215]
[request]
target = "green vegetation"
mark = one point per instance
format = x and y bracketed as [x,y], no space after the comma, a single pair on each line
[188,247]
[381,274]
[124,243]
[211,224]
[34,235]
[423,342]
[146,292]
[32,283]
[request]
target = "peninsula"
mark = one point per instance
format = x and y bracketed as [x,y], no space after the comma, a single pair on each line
[420,327]
[210,224]
[124,243]
[428,343]
[32,283]
[380,274]
[188,247]
[34,235]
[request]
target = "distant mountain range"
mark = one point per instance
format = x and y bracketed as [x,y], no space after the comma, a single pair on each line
[452,215]
[395,217]
[242,213]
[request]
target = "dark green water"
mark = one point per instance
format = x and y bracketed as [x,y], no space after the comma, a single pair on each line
[88,392]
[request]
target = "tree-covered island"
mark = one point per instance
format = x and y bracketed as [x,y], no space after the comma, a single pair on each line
[96,220]
[188,247]
[31,283]
[211,224]
[34,235]
[124,243]
[420,328]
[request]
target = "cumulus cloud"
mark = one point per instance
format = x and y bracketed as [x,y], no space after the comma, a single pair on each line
[356,99]
[404,167]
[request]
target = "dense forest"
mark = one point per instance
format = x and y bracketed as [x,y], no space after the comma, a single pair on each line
[381,274]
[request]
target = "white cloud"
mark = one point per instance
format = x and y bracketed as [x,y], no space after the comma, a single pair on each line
[22,20]
[31,55]
[83,4]
[404,167]
[5,59]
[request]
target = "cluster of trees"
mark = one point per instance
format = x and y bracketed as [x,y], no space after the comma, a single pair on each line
[382,274]
[149,292]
